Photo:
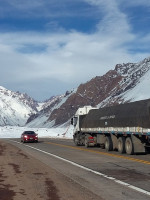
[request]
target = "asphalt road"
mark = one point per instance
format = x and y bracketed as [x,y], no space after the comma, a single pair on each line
[106,175]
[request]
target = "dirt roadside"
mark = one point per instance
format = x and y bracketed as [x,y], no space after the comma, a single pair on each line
[26,178]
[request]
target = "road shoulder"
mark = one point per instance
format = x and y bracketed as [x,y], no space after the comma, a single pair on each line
[24,177]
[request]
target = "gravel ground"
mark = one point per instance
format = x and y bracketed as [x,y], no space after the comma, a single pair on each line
[26,178]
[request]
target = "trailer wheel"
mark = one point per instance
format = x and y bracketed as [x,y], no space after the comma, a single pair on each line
[108,144]
[121,145]
[129,146]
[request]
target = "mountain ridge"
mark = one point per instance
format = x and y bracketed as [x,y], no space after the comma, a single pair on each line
[110,89]
[125,83]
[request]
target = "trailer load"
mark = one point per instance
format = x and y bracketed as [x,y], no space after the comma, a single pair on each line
[125,127]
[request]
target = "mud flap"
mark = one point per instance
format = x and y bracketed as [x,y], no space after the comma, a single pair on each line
[139,147]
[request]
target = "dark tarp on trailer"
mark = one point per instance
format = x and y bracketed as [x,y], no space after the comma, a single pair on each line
[134,114]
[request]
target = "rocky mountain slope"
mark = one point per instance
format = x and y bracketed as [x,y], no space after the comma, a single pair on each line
[127,82]
[15,108]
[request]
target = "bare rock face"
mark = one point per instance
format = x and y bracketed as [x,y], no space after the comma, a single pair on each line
[90,93]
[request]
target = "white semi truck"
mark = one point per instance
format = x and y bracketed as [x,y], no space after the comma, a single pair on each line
[124,127]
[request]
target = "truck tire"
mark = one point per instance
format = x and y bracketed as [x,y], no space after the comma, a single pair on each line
[76,141]
[129,146]
[121,145]
[108,143]
[86,143]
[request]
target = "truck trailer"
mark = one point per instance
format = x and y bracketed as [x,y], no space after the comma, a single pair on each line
[123,127]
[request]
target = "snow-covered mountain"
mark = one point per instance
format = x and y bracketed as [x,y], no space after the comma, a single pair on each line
[134,83]
[127,82]
[15,108]
[41,119]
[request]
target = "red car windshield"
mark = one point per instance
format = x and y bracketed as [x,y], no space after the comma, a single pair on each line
[29,133]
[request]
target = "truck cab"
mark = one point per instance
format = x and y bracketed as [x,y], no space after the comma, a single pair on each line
[79,115]
[76,121]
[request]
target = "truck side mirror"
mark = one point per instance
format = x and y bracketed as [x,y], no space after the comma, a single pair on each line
[72,121]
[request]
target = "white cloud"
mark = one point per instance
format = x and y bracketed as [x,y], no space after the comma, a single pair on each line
[69,56]
[135,2]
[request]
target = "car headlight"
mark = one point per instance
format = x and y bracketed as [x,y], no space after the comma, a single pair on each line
[25,136]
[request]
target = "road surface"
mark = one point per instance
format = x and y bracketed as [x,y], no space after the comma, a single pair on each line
[56,169]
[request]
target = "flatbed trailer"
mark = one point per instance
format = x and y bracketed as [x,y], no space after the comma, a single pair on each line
[124,127]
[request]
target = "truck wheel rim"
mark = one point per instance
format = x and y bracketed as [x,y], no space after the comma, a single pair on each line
[119,145]
[106,144]
[128,146]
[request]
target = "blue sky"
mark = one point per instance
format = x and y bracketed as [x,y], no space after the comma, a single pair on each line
[50,46]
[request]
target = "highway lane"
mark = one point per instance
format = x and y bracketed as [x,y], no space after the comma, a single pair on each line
[118,176]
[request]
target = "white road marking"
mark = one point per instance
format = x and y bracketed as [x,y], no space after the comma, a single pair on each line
[90,170]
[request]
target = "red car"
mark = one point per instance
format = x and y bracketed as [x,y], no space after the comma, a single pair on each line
[29,136]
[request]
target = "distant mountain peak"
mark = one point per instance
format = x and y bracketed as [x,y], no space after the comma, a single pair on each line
[15,107]
[2,88]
